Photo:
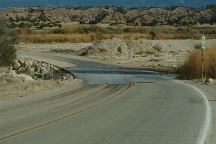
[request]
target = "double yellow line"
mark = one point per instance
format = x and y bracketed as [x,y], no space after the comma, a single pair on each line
[90,106]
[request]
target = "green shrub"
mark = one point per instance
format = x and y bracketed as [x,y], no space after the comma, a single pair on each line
[7,50]
[153,34]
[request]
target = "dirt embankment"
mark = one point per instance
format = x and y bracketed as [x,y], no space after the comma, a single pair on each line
[27,76]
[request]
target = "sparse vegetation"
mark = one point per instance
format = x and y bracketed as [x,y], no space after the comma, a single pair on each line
[197,46]
[102,50]
[191,69]
[149,52]
[153,34]
[87,33]
[157,47]
[141,52]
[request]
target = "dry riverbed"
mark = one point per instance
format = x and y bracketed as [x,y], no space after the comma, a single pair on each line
[159,55]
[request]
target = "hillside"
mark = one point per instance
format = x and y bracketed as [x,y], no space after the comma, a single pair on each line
[28,17]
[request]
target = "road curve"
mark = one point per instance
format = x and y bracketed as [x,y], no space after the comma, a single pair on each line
[150,110]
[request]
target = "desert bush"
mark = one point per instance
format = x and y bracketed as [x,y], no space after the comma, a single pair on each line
[191,69]
[139,52]
[7,50]
[59,31]
[210,63]
[153,34]
[157,47]
[119,50]
[102,50]
[149,52]
[197,46]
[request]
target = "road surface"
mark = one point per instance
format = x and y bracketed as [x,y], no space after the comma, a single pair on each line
[122,107]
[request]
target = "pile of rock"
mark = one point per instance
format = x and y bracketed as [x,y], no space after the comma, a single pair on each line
[120,48]
[112,47]
[13,74]
[38,70]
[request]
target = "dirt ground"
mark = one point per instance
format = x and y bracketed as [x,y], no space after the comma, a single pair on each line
[11,88]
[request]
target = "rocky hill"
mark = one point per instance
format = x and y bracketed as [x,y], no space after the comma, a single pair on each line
[28,17]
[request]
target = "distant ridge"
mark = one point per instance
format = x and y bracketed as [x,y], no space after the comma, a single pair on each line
[125,3]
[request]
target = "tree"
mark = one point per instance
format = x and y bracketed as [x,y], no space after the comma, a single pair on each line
[7,50]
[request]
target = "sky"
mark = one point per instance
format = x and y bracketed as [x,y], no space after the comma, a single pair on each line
[126,3]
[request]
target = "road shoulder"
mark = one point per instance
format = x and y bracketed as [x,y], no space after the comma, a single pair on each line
[210,92]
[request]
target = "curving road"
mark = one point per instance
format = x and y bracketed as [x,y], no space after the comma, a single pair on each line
[121,106]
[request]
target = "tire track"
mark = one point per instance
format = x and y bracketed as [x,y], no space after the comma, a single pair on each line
[88,107]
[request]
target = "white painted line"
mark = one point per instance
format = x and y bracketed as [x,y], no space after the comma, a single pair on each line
[206,126]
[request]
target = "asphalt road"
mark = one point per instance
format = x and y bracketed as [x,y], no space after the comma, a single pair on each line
[144,108]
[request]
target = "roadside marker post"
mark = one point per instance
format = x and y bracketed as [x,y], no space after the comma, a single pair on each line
[203,56]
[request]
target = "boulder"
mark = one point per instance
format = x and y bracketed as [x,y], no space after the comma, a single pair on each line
[21,70]
[12,73]
[44,70]
[25,77]
[211,80]
[2,74]
[21,61]
[16,65]
[28,63]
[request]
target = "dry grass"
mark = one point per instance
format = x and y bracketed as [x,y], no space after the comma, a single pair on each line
[210,64]
[47,38]
[86,33]
[191,69]
[197,46]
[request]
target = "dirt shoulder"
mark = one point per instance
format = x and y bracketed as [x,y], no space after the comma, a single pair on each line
[16,89]
[12,88]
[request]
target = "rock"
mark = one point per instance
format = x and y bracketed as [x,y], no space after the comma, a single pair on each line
[45,65]
[55,68]
[16,65]
[44,70]
[37,70]
[211,80]
[2,74]
[21,61]
[30,71]
[25,77]
[64,78]
[28,63]
[12,73]
[21,70]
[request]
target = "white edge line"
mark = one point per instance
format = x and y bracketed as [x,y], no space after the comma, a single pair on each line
[206,126]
